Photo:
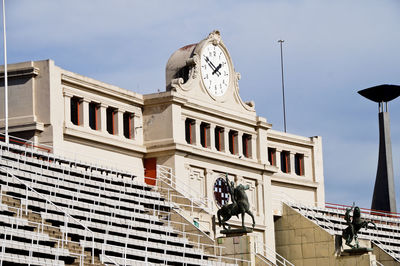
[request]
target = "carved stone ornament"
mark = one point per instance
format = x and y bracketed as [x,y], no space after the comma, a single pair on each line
[238,77]
[193,63]
[215,37]
[176,83]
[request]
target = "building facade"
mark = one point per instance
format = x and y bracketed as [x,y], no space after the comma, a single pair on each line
[199,127]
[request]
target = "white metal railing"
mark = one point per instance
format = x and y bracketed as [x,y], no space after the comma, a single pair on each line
[312,213]
[50,203]
[182,233]
[171,196]
[270,255]
[263,259]
[46,151]
[26,152]
[389,252]
[165,173]
[282,197]
[18,221]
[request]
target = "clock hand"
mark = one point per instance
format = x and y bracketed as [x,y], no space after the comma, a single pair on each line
[210,63]
[216,70]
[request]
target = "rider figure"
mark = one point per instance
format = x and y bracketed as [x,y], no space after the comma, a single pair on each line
[231,188]
[234,190]
[240,204]
[349,222]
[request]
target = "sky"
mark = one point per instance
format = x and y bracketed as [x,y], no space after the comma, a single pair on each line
[332,49]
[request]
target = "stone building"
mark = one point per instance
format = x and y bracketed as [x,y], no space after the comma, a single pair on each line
[199,127]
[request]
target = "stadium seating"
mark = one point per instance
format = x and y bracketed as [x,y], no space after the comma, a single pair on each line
[56,211]
[331,218]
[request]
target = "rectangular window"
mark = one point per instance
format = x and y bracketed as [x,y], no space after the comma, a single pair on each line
[219,138]
[285,161]
[189,130]
[272,156]
[129,125]
[233,141]
[94,116]
[111,120]
[205,135]
[76,111]
[299,164]
[246,143]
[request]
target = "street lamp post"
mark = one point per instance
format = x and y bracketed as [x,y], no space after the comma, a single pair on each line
[283,88]
[5,76]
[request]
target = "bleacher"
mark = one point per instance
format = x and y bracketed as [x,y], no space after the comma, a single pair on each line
[56,211]
[331,218]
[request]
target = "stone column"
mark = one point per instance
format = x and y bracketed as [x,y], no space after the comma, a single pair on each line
[120,123]
[197,133]
[240,144]
[67,109]
[269,233]
[103,118]
[278,158]
[259,197]
[226,140]
[85,112]
[291,163]
[317,172]
[212,137]
[209,195]
[261,142]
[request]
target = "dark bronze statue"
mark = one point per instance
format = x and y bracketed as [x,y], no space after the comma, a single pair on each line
[353,227]
[240,205]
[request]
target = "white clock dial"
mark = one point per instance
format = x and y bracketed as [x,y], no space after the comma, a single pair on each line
[214,70]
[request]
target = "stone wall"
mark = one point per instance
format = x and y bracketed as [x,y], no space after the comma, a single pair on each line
[383,257]
[302,242]
[238,247]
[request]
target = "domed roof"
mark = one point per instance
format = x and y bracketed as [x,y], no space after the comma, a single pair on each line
[176,65]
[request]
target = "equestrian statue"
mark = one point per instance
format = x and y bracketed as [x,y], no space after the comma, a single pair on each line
[353,227]
[240,205]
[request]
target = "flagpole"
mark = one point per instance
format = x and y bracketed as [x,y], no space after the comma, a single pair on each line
[5,77]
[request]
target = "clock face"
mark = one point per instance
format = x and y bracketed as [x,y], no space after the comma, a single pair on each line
[214,70]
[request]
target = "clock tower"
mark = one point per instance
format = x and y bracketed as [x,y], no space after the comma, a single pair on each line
[204,71]
[202,131]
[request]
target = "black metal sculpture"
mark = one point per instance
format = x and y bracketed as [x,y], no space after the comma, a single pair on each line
[240,205]
[354,225]
[384,197]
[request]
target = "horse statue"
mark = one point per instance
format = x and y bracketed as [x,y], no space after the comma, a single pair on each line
[353,227]
[240,205]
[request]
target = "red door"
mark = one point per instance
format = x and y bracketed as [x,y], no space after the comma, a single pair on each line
[150,171]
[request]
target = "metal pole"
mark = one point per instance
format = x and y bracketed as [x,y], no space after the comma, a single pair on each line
[5,76]
[283,88]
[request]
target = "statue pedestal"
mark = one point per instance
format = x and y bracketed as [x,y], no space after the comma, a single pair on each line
[356,251]
[238,247]
[365,259]
[236,232]
[358,256]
